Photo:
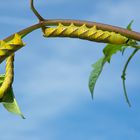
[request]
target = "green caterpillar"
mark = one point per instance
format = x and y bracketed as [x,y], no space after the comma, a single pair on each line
[84,32]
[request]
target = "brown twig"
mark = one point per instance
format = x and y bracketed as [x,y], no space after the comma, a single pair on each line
[35,11]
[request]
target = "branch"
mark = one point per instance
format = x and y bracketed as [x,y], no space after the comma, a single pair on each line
[35,11]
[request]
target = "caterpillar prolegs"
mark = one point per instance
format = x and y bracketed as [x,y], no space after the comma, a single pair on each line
[84,32]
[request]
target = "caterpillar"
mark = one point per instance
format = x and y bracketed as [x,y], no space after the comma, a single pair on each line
[84,32]
[9,75]
[5,49]
[8,48]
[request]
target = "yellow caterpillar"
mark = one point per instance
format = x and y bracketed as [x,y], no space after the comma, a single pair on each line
[9,47]
[9,75]
[84,32]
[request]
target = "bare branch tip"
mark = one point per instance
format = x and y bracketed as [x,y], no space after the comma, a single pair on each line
[35,11]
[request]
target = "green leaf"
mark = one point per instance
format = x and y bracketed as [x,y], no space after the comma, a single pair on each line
[10,103]
[111,49]
[129,26]
[97,69]
[131,42]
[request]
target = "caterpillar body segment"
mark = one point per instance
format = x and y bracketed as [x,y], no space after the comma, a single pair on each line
[9,75]
[8,48]
[84,32]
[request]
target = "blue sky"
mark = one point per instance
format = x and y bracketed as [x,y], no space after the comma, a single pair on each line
[51,76]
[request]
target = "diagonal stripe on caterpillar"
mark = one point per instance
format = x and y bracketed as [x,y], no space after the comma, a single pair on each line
[84,32]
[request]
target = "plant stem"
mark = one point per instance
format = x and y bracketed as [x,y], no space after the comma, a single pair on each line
[35,11]
[124,75]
